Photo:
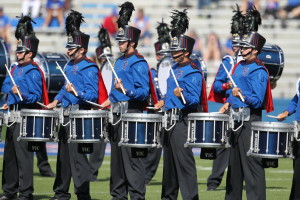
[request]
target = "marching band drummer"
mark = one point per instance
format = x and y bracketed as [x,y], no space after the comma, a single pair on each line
[83,76]
[246,103]
[162,46]
[220,91]
[179,164]
[17,173]
[127,168]
[292,108]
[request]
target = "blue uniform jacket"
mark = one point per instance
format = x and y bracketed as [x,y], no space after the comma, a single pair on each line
[252,79]
[190,80]
[294,106]
[29,79]
[83,74]
[134,72]
[222,77]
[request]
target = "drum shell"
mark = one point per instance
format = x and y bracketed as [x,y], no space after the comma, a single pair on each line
[271,139]
[140,130]
[88,126]
[207,130]
[38,125]
[273,58]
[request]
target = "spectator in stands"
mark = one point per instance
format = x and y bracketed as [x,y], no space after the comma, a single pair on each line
[142,22]
[32,7]
[110,23]
[198,43]
[271,11]
[55,9]
[292,10]
[5,27]
[213,50]
[248,5]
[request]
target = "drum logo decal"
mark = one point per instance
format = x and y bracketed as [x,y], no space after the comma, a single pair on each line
[245,71]
[125,64]
[75,69]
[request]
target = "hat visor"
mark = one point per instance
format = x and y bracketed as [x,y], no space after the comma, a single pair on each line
[245,44]
[21,49]
[172,49]
[121,39]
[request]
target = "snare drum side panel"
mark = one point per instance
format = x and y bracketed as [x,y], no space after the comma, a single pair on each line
[78,129]
[138,132]
[29,127]
[212,133]
[150,133]
[271,145]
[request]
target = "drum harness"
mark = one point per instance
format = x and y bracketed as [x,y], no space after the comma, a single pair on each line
[240,115]
[13,116]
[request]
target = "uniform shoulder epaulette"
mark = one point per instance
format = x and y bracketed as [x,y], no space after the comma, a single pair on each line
[194,66]
[35,64]
[139,55]
[89,60]
[258,62]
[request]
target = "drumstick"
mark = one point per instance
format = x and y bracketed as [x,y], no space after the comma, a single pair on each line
[41,104]
[176,82]
[76,94]
[242,98]
[112,69]
[13,81]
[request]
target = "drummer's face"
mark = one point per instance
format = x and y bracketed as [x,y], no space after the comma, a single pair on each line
[22,57]
[235,49]
[178,56]
[123,46]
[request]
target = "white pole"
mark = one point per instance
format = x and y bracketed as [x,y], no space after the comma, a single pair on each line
[176,82]
[13,81]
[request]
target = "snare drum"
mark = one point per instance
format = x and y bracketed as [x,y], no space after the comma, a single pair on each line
[141,130]
[88,126]
[54,78]
[38,125]
[4,59]
[271,140]
[273,58]
[207,130]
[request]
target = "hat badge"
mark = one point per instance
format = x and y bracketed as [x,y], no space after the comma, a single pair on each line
[120,31]
[174,41]
[20,43]
[70,39]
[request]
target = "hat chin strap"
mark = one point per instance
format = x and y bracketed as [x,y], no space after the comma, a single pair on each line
[247,53]
[77,48]
[26,52]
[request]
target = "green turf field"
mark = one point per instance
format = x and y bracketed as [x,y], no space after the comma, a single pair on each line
[278,182]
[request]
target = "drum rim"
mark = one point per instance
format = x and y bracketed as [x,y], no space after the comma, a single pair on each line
[208,116]
[38,113]
[273,125]
[87,113]
[141,115]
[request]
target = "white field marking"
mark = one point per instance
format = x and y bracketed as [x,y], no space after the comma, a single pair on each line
[287,171]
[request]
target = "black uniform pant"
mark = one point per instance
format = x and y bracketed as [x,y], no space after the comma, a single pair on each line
[17,173]
[42,161]
[69,164]
[151,162]
[242,167]
[127,173]
[179,165]
[295,191]
[96,158]
[218,168]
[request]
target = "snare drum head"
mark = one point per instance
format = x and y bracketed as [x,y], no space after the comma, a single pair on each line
[200,64]
[4,59]
[54,78]
[107,75]
[163,73]
[273,58]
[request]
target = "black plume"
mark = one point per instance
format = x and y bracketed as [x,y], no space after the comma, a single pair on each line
[179,23]
[252,20]
[237,21]
[103,38]
[24,27]
[163,32]
[73,22]
[125,13]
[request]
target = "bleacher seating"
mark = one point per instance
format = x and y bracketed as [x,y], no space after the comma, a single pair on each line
[53,39]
